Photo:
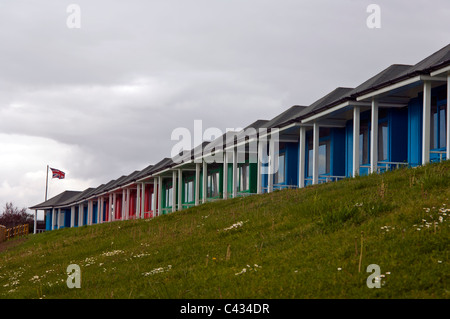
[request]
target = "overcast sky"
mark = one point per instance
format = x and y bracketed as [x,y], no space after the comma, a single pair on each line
[101,101]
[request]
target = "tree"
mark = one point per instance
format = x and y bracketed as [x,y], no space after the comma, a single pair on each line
[13,216]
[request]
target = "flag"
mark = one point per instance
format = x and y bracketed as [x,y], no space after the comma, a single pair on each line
[56,173]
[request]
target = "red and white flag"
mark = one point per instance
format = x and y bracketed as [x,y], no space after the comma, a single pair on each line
[56,173]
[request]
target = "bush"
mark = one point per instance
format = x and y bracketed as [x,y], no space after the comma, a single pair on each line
[13,216]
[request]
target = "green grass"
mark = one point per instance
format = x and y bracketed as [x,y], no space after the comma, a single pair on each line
[306,243]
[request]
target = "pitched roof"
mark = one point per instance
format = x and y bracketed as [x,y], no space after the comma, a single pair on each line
[56,200]
[161,165]
[433,62]
[190,155]
[257,124]
[144,172]
[392,74]
[116,183]
[290,114]
[399,72]
[332,98]
[129,179]
[82,196]
[106,187]
[387,75]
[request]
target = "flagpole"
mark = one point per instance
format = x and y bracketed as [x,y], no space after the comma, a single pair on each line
[46,185]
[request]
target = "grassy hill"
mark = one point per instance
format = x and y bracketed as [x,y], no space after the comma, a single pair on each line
[303,243]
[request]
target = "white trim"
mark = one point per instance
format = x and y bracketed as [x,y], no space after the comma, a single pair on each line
[441,71]
[325,112]
[389,88]
[399,85]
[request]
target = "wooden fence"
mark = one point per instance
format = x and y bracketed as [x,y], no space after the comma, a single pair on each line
[8,233]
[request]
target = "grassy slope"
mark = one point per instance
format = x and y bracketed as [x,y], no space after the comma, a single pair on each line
[298,239]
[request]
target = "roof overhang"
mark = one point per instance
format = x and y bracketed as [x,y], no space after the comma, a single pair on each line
[333,109]
[398,85]
[441,71]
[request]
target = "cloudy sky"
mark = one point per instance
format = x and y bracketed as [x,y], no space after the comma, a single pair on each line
[101,101]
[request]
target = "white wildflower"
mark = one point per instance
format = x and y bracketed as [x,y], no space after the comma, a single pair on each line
[244,270]
[157,270]
[236,225]
[112,253]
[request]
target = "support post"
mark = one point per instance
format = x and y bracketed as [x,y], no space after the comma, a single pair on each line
[258,168]
[155,196]
[58,219]
[53,218]
[142,207]
[356,130]
[426,132]
[271,166]
[124,205]
[174,191]
[301,157]
[197,184]
[110,208]
[316,132]
[205,182]
[159,195]
[35,221]
[374,137]
[225,175]
[235,174]
[72,216]
[113,216]
[99,209]
[180,189]
[80,215]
